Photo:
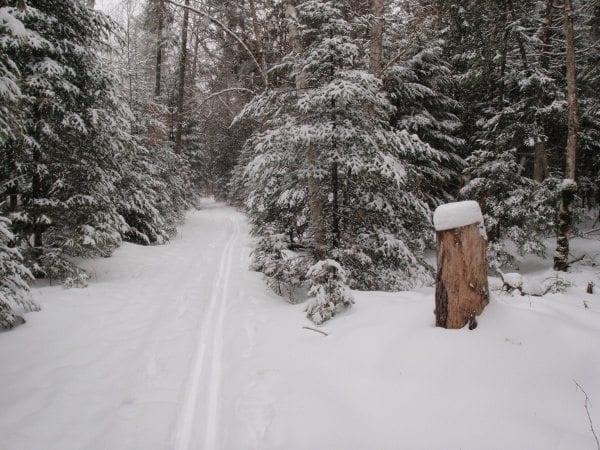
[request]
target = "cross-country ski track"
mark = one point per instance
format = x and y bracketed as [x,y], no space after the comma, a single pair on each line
[206,369]
[146,354]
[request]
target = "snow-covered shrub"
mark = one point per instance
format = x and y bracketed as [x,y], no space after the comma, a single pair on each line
[556,283]
[284,270]
[14,290]
[55,266]
[78,280]
[329,289]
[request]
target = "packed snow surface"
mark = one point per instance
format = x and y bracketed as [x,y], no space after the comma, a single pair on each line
[456,214]
[181,347]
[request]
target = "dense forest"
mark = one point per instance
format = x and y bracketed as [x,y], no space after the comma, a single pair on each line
[338,126]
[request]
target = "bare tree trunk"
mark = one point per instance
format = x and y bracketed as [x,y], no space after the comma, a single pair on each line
[313,184]
[36,192]
[181,85]
[540,158]
[12,189]
[569,187]
[128,12]
[540,161]
[573,119]
[336,232]
[376,49]
[505,36]
[195,32]
[159,46]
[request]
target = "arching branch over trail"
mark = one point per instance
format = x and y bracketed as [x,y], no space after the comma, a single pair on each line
[261,69]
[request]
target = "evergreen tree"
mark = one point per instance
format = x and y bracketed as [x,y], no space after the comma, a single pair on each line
[420,85]
[66,155]
[337,130]
[83,176]
[14,290]
[516,208]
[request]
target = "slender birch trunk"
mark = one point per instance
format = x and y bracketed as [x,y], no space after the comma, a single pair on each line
[569,187]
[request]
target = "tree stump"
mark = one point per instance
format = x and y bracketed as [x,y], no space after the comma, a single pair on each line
[461,284]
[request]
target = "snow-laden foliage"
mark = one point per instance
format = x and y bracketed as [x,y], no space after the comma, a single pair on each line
[329,290]
[154,191]
[14,290]
[284,269]
[516,208]
[419,86]
[78,169]
[333,132]
[63,162]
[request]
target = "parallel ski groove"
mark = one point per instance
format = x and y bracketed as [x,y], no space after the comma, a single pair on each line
[212,422]
[210,333]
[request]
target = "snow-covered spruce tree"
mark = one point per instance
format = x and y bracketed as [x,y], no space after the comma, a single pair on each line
[419,86]
[14,277]
[335,128]
[67,155]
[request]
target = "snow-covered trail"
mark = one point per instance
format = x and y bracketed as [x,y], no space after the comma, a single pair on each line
[135,360]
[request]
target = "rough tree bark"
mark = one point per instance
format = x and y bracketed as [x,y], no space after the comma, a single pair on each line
[569,187]
[461,285]
[181,84]
[376,47]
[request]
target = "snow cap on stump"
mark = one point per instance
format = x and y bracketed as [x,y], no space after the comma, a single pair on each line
[458,214]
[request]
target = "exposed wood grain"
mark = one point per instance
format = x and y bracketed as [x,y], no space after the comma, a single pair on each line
[461,284]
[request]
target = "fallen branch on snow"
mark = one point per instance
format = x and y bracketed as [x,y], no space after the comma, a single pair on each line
[314,329]
[577,259]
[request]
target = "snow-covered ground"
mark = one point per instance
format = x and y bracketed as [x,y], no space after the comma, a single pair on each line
[181,347]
